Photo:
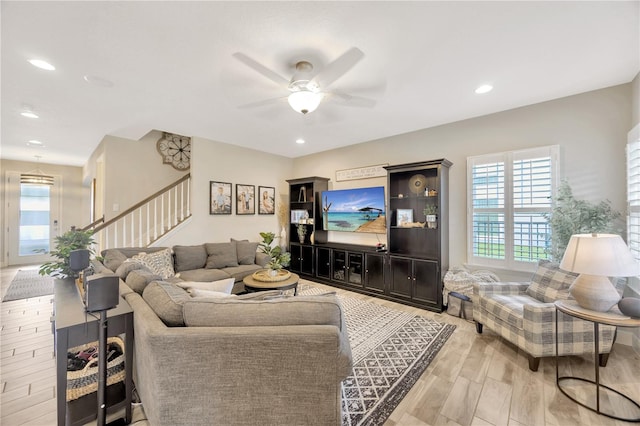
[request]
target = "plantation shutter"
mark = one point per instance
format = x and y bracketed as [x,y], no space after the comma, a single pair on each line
[633,198]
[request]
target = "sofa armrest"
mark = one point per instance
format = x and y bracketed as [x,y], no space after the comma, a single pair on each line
[481,288]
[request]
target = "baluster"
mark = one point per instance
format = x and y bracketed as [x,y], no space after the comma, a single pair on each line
[189,197]
[181,201]
[148,225]
[140,225]
[155,219]
[162,214]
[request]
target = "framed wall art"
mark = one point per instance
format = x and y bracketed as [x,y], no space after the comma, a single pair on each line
[404,217]
[245,199]
[267,197]
[219,197]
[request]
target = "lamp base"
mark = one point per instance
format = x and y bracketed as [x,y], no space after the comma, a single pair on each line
[594,292]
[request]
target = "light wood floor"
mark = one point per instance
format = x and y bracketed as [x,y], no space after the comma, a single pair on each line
[475,379]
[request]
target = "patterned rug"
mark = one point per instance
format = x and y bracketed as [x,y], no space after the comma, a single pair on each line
[391,349]
[28,283]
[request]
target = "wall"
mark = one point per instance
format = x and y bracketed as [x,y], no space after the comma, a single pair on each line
[217,161]
[591,129]
[74,197]
[635,100]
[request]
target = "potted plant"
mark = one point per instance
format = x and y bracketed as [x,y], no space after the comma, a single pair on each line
[572,216]
[301,228]
[278,257]
[431,216]
[73,239]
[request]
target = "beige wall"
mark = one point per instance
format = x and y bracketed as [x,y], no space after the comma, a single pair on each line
[635,100]
[591,129]
[74,197]
[216,161]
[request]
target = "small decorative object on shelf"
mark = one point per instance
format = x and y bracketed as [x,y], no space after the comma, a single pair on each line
[302,232]
[430,212]
[630,306]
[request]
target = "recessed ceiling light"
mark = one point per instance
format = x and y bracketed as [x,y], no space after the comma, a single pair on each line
[485,88]
[300,141]
[42,64]
[34,142]
[29,114]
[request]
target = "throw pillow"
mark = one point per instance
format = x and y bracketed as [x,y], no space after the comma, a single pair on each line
[113,258]
[167,301]
[128,266]
[550,283]
[139,279]
[196,292]
[246,252]
[190,257]
[160,262]
[222,286]
[221,255]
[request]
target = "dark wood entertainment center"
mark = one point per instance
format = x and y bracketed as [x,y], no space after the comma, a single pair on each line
[411,267]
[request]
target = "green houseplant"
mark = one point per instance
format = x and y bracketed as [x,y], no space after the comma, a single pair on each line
[278,258]
[73,239]
[572,216]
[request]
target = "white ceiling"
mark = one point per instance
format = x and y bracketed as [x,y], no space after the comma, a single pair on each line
[172,67]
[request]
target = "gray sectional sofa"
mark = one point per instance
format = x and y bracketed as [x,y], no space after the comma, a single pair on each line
[252,359]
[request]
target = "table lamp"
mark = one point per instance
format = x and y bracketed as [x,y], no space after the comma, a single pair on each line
[596,257]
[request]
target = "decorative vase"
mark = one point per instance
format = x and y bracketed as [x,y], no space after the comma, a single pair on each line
[302,232]
[283,238]
[312,237]
[273,272]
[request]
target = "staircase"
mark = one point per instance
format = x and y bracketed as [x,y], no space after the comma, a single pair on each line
[147,221]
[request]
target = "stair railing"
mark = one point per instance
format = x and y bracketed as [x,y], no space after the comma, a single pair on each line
[148,220]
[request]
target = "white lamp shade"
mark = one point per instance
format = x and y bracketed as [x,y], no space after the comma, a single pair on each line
[599,254]
[304,101]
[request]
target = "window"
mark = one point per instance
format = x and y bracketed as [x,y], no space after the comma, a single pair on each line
[633,194]
[508,194]
[34,219]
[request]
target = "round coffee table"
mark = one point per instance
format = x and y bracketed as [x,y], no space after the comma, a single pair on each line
[251,284]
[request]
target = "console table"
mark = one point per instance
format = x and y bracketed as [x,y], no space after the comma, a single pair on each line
[74,327]
[571,308]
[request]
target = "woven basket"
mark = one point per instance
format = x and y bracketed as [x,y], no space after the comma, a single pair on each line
[263,275]
[85,381]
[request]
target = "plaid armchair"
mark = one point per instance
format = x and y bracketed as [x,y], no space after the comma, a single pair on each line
[524,314]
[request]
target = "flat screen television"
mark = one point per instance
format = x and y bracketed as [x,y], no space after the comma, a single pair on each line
[354,210]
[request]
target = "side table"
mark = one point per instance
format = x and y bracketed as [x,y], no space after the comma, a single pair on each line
[252,284]
[75,327]
[571,308]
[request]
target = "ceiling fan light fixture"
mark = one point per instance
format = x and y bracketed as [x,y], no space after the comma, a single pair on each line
[304,101]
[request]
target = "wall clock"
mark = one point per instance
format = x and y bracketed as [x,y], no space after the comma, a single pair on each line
[175,150]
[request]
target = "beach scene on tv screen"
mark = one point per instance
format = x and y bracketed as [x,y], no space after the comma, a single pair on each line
[354,210]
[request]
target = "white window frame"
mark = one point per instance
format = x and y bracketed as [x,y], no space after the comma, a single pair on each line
[633,191]
[509,262]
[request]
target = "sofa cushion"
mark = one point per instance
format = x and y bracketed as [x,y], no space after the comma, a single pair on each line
[223,286]
[160,262]
[241,271]
[127,267]
[203,275]
[220,255]
[167,301]
[550,283]
[234,312]
[246,251]
[508,307]
[139,279]
[113,258]
[197,292]
[189,257]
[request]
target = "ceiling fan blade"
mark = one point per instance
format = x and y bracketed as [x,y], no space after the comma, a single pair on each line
[353,101]
[264,102]
[256,66]
[339,67]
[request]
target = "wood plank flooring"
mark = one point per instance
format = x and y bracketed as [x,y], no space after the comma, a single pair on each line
[476,380]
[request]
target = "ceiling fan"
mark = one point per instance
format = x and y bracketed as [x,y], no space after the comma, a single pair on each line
[308,86]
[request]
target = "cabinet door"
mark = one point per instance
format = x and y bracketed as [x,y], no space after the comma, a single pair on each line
[374,272]
[296,257]
[339,265]
[323,262]
[354,269]
[401,280]
[425,273]
[306,262]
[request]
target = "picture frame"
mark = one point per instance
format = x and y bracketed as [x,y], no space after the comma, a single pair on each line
[245,199]
[267,200]
[299,216]
[219,197]
[404,217]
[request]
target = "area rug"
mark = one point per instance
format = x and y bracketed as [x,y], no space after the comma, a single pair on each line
[28,283]
[391,349]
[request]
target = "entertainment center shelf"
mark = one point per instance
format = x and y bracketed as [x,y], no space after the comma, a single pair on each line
[411,269]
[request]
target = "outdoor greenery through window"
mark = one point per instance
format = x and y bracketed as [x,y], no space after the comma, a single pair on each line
[509,194]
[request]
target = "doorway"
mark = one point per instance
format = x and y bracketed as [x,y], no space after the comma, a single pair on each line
[32,212]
